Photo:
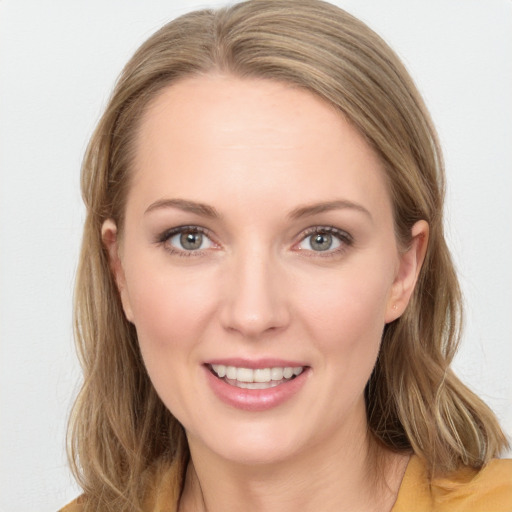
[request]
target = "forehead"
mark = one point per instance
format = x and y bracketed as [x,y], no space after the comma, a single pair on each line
[224,135]
[270,111]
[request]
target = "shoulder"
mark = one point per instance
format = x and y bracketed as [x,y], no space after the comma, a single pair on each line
[74,506]
[470,490]
[164,482]
[465,490]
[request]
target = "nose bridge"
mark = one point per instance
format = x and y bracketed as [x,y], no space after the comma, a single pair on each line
[256,296]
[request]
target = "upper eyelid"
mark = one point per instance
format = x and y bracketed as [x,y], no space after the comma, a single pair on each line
[168,233]
[326,229]
[164,237]
[345,236]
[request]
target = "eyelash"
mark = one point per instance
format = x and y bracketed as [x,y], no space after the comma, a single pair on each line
[343,237]
[168,234]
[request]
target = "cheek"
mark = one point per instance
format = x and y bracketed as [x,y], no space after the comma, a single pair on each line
[170,306]
[171,312]
[343,313]
[345,310]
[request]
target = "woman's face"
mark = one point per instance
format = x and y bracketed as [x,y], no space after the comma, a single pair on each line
[259,265]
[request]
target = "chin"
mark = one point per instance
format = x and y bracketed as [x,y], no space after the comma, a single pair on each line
[262,454]
[251,445]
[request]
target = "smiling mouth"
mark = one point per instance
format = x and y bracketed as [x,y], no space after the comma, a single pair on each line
[259,378]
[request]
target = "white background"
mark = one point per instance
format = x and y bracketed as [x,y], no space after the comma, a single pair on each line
[58,62]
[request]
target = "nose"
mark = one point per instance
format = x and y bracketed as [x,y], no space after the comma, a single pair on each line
[255,297]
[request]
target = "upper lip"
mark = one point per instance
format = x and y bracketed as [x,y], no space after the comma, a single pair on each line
[267,362]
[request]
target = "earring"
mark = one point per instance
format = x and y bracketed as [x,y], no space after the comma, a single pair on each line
[395,307]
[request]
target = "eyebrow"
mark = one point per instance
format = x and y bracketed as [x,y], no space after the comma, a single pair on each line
[201,209]
[313,209]
[205,210]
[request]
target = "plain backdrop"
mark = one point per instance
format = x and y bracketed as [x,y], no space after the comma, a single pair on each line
[58,62]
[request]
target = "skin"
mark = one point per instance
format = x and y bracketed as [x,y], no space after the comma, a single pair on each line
[257,152]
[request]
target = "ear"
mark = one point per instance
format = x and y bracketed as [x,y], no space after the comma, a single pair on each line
[408,271]
[110,240]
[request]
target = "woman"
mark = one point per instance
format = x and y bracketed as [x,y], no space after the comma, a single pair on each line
[266,307]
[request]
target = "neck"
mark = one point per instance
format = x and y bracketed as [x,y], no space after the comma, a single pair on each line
[356,476]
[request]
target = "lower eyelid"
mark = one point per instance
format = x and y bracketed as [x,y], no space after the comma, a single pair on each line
[164,239]
[344,239]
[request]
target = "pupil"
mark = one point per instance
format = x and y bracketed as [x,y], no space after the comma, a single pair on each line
[191,241]
[321,242]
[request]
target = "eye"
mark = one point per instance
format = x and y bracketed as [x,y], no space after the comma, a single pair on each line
[186,239]
[324,239]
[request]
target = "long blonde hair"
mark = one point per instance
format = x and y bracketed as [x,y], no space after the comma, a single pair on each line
[120,429]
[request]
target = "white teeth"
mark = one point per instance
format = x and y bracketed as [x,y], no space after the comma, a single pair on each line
[287,372]
[231,372]
[262,375]
[219,369]
[244,375]
[257,376]
[258,385]
[276,373]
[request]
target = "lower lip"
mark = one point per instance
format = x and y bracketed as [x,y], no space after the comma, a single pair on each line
[255,399]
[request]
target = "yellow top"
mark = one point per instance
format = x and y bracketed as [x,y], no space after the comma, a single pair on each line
[466,490]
